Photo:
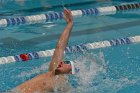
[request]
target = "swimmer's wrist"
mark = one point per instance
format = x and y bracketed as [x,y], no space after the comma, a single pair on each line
[70,23]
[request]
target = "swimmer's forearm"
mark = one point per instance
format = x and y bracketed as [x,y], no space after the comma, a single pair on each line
[63,40]
[61,45]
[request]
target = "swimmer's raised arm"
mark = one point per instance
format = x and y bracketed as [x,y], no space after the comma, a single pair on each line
[62,43]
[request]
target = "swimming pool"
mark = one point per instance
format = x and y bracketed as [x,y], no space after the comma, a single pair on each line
[116,69]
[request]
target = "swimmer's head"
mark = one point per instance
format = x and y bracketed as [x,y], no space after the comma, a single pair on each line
[65,67]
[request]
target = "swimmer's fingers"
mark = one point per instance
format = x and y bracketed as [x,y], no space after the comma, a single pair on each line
[68,16]
[67,12]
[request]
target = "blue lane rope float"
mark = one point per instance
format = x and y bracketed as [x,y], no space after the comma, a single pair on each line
[71,49]
[50,16]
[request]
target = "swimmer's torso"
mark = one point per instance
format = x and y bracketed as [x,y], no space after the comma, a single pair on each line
[43,83]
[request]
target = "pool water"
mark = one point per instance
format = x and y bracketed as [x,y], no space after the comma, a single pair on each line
[105,70]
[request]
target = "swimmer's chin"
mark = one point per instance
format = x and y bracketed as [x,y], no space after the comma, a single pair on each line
[60,72]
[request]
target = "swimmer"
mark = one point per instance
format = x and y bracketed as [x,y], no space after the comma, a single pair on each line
[48,81]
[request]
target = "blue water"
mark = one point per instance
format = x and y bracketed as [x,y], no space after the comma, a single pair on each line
[113,69]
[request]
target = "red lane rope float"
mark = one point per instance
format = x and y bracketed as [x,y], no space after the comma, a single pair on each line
[24,57]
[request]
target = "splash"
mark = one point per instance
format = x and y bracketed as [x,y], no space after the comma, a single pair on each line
[92,76]
[90,66]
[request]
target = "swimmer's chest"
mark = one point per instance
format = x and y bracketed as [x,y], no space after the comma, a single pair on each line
[57,82]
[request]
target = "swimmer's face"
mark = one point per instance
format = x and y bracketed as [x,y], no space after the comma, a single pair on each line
[63,68]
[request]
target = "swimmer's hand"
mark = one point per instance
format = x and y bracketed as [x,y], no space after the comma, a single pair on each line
[68,16]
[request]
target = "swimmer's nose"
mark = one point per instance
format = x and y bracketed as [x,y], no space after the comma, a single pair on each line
[59,65]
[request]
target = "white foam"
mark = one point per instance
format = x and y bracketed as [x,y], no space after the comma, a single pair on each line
[89,68]
[91,79]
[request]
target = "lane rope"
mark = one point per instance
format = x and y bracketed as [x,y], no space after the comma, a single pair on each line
[71,49]
[50,16]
